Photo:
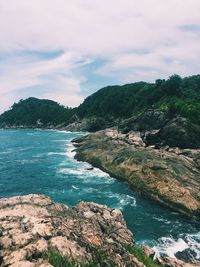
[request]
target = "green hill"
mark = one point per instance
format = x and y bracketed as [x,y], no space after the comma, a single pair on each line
[33,111]
[175,95]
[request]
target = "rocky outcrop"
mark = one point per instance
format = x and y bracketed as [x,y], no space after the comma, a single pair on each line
[160,129]
[91,124]
[178,132]
[35,231]
[168,175]
[32,225]
[149,120]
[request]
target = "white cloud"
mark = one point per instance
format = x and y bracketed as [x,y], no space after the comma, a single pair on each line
[114,31]
[54,78]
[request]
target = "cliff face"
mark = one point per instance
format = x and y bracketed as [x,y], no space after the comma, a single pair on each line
[168,175]
[32,227]
[37,232]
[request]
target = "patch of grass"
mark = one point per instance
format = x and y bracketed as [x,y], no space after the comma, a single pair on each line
[100,260]
[141,256]
[57,260]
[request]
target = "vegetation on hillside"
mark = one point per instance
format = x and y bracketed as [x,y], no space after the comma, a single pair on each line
[99,259]
[176,95]
[33,111]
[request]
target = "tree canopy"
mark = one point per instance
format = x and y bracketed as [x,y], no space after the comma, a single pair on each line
[176,95]
[32,111]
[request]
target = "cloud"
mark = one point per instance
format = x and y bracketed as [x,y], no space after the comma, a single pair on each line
[57,40]
[50,78]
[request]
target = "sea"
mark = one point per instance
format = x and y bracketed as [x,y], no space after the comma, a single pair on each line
[42,162]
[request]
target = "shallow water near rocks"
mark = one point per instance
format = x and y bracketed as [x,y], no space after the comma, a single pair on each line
[42,162]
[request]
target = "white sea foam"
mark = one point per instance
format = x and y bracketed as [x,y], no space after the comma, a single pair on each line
[159,219]
[123,200]
[94,172]
[170,246]
[33,134]
[69,151]
[57,153]
[167,246]
[71,154]
[5,152]
[193,240]
[90,190]
[69,171]
[63,131]
[74,187]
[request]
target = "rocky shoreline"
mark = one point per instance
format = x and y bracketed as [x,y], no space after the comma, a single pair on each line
[35,231]
[170,176]
[32,225]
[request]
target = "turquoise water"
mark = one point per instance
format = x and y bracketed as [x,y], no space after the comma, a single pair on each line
[36,161]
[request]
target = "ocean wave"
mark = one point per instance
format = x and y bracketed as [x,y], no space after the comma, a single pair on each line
[193,241]
[69,171]
[160,219]
[57,153]
[70,151]
[74,187]
[26,161]
[122,199]
[169,246]
[188,243]
[90,190]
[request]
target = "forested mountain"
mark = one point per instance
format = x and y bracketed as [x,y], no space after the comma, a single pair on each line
[175,95]
[33,111]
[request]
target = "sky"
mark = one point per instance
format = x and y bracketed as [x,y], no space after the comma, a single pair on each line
[65,50]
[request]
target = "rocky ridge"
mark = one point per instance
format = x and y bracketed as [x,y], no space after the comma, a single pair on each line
[33,226]
[168,175]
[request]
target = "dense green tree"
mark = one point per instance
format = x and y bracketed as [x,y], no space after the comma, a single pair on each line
[33,111]
[176,95]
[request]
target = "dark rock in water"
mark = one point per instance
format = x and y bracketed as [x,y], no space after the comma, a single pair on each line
[90,169]
[186,255]
[173,262]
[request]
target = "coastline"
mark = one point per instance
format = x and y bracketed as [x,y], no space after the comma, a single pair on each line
[82,154]
[69,141]
[163,176]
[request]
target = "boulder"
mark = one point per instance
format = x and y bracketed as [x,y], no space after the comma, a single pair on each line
[178,132]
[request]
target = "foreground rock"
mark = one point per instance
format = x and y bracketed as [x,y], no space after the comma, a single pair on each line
[168,175]
[32,225]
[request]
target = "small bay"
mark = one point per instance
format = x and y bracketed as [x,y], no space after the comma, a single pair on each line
[42,162]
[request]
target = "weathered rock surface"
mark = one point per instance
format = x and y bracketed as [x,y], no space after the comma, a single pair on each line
[91,124]
[161,128]
[169,175]
[149,120]
[178,132]
[33,224]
